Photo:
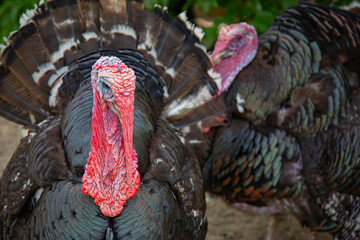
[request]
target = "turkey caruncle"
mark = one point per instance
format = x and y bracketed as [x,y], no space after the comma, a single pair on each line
[290,140]
[63,77]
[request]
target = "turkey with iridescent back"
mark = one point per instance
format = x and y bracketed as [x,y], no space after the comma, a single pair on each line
[288,138]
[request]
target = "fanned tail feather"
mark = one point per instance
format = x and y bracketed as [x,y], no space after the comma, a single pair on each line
[59,32]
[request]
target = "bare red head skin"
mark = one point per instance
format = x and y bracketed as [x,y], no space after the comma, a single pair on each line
[111,175]
[235,48]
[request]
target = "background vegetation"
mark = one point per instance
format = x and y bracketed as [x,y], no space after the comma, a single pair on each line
[209,14]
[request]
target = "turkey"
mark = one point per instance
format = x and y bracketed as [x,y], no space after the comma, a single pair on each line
[94,82]
[289,140]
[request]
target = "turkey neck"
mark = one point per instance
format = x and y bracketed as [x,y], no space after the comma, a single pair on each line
[112,139]
[111,175]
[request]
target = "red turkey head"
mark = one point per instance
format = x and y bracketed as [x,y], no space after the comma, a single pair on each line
[111,175]
[235,49]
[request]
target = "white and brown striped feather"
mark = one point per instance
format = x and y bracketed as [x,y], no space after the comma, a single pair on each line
[51,37]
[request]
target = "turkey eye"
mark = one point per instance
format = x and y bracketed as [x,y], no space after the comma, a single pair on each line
[105,88]
[238,38]
[104,84]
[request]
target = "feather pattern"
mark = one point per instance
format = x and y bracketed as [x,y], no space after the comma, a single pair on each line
[292,146]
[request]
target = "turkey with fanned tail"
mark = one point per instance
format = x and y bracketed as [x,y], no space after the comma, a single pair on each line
[95,83]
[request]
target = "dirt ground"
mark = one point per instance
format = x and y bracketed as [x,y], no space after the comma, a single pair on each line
[224,222]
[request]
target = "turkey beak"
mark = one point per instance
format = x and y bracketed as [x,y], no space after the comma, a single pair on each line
[115,108]
[226,53]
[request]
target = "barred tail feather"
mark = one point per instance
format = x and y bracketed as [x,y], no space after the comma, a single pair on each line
[56,34]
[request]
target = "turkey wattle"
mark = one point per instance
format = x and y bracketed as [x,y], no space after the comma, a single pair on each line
[111,175]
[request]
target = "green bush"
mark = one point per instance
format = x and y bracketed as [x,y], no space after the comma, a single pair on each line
[10,10]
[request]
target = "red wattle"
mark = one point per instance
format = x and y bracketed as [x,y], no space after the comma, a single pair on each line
[111,175]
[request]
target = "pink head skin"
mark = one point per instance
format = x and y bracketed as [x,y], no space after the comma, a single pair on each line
[235,48]
[111,175]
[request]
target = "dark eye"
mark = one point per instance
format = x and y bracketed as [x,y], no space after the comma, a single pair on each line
[105,88]
[238,38]
[104,84]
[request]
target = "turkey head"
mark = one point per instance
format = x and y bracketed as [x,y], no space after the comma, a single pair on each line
[235,48]
[111,175]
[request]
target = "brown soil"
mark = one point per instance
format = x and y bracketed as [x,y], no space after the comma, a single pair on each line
[224,221]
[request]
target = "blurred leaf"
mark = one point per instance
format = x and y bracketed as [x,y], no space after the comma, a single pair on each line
[149,4]
[206,4]
[10,10]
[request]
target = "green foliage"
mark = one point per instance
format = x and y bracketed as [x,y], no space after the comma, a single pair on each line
[10,10]
[260,13]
